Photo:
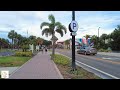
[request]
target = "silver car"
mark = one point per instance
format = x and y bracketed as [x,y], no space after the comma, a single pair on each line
[87,50]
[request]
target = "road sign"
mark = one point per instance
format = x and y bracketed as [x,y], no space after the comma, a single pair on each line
[73,26]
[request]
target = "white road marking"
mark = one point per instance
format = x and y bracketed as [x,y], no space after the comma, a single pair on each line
[106,58]
[94,68]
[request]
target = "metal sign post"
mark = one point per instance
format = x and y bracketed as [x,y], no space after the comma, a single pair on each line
[73,27]
[73,45]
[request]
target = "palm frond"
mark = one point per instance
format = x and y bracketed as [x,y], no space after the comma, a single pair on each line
[51,18]
[62,27]
[44,24]
[60,32]
[51,26]
[51,32]
[57,24]
[45,30]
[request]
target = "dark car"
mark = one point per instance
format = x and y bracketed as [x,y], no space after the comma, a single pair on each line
[87,50]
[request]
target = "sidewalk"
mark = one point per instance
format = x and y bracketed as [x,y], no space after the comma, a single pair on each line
[10,69]
[39,67]
[109,54]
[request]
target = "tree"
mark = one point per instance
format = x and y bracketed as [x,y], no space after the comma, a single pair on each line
[51,28]
[115,42]
[32,39]
[19,39]
[4,43]
[15,39]
[94,39]
[24,44]
[67,42]
[103,37]
[87,36]
[12,35]
[39,41]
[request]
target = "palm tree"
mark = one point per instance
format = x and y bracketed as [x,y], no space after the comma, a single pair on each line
[95,40]
[32,39]
[67,42]
[87,36]
[50,30]
[11,35]
[19,40]
[39,41]
[15,39]
[104,37]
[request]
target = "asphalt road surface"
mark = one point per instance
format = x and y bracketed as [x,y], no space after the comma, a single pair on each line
[107,67]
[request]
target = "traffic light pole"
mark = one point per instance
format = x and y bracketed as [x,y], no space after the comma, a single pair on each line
[73,45]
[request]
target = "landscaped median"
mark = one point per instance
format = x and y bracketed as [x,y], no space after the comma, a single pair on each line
[64,65]
[17,60]
[13,61]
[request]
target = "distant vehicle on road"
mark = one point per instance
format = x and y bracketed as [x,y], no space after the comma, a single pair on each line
[87,51]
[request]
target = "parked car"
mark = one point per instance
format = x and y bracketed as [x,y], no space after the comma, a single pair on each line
[87,50]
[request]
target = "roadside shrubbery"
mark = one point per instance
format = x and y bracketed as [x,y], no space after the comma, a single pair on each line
[64,65]
[25,54]
[59,59]
[105,50]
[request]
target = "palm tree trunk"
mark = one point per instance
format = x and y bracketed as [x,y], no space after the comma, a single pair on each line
[12,45]
[18,45]
[53,50]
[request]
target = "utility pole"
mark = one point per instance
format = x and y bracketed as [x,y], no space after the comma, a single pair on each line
[98,36]
[27,33]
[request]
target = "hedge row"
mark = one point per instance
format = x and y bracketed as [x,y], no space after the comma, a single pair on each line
[25,54]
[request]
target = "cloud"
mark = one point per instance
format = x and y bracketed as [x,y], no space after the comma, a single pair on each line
[89,21]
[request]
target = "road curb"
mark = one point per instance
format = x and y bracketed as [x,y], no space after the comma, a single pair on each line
[61,77]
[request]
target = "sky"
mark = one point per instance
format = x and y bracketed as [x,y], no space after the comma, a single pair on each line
[88,22]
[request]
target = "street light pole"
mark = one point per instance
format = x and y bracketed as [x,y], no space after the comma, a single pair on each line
[98,36]
[73,45]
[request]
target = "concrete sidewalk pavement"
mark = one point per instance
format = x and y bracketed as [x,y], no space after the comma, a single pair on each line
[39,67]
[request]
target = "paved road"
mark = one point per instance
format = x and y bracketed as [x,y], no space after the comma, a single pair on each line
[110,54]
[109,65]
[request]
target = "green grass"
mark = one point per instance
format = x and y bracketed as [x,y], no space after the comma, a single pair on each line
[49,50]
[64,65]
[12,61]
[59,59]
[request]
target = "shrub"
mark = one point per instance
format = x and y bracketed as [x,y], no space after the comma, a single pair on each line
[59,59]
[24,54]
[105,50]
[25,47]
[101,50]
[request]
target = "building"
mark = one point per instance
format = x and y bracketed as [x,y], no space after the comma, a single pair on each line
[80,42]
[60,45]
